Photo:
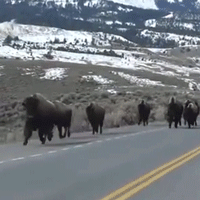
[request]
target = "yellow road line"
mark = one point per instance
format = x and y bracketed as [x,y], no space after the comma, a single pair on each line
[137,185]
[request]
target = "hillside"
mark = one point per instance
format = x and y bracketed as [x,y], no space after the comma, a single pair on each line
[125,18]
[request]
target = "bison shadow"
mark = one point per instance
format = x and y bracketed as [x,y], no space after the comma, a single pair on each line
[85,137]
[65,144]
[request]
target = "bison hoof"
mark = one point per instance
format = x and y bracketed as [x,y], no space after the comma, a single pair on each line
[50,138]
[43,141]
[25,143]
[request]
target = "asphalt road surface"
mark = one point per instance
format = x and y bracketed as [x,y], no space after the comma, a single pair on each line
[87,167]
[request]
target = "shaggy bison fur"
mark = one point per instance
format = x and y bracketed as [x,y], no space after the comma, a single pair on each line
[40,116]
[174,112]
[144,112]
[63,118]
[190,113]
[95,114]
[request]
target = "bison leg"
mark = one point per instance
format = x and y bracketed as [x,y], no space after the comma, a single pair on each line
[170,124]
[144,122]
[189,125]
[50,136]
[101,125]
[50,132]
[68,132]
[176,124]
[44,139]
[95,128]
[93,131]
[27,132]
[180,122]
[65,133]
[140,120]
[41,135]
[60,131]
[100,129]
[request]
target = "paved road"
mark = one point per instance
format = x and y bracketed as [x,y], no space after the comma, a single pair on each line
[88,167]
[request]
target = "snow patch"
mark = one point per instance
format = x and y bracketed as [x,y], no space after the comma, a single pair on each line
[130,24]
[99,79]
[171,15]
[147,4]
[194,86]
[29,71]
[150,23]
[54,74]
[142,82]
[112,91]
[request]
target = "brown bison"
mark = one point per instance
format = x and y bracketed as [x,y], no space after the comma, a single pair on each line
[190,113]
[40,115]
[174,112]
[144,112]
[95,114]
[63,118]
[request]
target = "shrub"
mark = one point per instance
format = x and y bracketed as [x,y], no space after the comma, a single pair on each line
[68,98]
[125,114]
[7,40]
[56,40]
[104,95]
[79,119]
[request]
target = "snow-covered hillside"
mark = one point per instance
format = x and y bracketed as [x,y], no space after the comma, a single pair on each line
[178,40]
[145,4]
[94,48]
[31,33]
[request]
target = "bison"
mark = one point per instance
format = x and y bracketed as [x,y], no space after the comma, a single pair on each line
[40,115]
[174,112]
[63,118]
[190,113]
[144,112]
[95,114]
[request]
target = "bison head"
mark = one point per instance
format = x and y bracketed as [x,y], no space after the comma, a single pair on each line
[90,106]
[187,102]
[31,103]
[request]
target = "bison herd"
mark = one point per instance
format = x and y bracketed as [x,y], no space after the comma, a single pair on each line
[42,115]
[189,110]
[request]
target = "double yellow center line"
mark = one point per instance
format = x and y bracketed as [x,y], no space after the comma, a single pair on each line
[139,184]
